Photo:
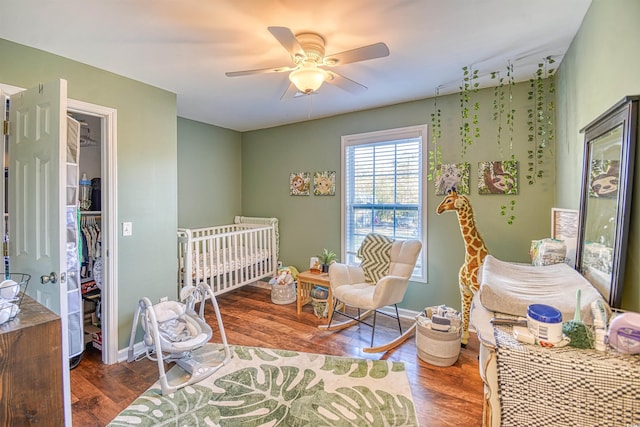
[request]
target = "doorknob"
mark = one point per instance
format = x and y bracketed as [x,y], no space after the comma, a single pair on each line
[51,278]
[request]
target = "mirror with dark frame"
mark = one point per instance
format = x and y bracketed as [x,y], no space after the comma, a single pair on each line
[605,203]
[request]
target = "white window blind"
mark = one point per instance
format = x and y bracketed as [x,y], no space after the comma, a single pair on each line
[383,189]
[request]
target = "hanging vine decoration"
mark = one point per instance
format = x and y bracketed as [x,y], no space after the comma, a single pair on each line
[509,209]
[540,118]
[468,121]
[499,107]
[435,155]
[511,115]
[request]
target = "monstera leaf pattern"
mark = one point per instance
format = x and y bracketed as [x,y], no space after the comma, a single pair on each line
[283,388]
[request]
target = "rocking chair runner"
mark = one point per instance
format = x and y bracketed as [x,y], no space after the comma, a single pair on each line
[174,332]
[349,286]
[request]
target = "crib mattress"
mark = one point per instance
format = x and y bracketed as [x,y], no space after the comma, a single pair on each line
[206,265]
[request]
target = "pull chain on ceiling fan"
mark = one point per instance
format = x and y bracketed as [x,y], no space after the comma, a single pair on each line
[309,71]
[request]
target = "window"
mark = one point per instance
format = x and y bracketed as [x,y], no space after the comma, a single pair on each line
[383,189]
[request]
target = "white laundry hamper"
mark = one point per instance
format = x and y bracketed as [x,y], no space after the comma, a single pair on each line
[437,347]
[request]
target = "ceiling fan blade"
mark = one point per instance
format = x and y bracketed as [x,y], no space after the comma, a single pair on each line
[288,40]
[377,50]
[345,84]
[290,93]
[258,71]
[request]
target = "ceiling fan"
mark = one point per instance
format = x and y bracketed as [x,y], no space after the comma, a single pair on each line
[310,65]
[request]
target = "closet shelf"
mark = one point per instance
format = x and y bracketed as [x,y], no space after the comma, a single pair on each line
[90,212]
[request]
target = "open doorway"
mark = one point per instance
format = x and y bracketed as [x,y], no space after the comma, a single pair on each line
[100,148]
[99,223]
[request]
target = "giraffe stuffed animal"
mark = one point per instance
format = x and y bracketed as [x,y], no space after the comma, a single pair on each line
[475,252]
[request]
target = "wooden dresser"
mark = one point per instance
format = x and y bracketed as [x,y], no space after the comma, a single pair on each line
[30,368]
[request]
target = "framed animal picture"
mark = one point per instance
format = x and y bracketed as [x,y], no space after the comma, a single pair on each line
[603,179]
[324,183]
[299,184]
[452,175]
[498,177]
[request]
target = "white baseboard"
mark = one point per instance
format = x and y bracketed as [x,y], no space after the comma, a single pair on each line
[402,312]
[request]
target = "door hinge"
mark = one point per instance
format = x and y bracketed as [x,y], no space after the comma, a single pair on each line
[5,127]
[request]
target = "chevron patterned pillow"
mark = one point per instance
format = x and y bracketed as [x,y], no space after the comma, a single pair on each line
[375,253]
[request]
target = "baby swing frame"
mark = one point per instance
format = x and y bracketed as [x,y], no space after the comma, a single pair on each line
[197,358]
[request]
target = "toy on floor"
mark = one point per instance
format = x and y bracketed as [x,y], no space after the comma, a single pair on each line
[475,252]
[284,276]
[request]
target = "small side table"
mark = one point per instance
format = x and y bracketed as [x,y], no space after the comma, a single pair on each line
[306,281]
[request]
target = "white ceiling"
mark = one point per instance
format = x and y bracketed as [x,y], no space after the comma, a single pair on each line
[186,46]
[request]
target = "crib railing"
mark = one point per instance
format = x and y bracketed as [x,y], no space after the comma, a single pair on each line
[226,256]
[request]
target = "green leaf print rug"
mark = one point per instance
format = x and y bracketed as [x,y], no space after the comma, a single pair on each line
[265,387]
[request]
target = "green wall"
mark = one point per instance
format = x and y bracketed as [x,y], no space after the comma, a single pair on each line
[146,167]
[310,223]
[600,68]
[248,173]
[209,179]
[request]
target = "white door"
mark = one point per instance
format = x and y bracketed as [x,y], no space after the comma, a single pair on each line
[37,175]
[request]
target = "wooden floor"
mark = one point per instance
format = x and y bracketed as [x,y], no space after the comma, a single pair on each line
[444,396]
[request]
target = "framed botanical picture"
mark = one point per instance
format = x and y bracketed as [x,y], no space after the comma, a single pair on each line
[452,175]
[324,183]
[299,184]
[498,177]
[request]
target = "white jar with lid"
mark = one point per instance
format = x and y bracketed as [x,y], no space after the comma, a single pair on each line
[545,323]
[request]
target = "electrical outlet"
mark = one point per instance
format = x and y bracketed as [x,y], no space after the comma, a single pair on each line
[127,228]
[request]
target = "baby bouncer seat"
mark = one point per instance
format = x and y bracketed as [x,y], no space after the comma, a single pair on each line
[174,332]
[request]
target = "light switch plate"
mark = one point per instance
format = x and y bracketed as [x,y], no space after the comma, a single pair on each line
[127,228]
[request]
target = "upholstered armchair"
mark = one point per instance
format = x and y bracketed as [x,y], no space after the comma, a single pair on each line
[381,280]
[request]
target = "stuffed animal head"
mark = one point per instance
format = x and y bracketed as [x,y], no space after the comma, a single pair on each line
[452,202]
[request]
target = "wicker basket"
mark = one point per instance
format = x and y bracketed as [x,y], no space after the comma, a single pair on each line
[436,347]
[12,290]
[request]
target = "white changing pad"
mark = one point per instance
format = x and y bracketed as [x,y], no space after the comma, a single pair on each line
[510,288]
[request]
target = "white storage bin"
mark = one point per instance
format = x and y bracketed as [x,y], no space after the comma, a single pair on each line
[283,294]
[436,347]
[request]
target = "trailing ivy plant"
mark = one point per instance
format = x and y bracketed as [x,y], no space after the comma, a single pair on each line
[498,105]
[435,155]
[510,210]
[469,126]
[540,118]
[511,114]
[499,108]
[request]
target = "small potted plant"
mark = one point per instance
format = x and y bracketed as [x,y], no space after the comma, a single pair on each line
[327,257]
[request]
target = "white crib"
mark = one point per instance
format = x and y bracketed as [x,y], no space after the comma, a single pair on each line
[228,256]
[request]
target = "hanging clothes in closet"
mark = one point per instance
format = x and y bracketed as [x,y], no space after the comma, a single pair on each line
[91,270]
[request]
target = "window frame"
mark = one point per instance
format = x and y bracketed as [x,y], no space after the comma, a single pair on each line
[386,136]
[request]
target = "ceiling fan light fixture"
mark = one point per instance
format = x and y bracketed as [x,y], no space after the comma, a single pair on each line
[308,79]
